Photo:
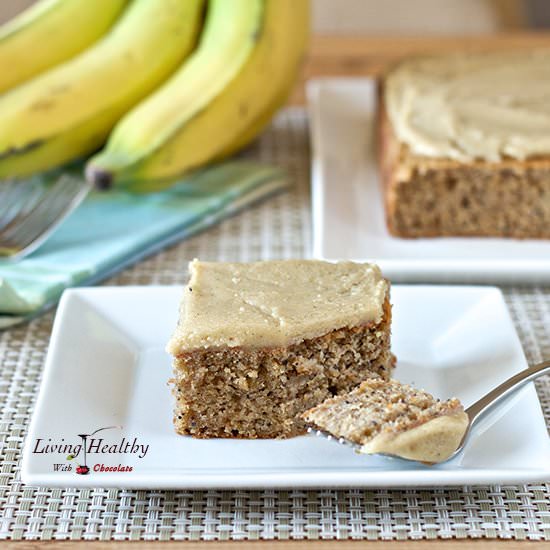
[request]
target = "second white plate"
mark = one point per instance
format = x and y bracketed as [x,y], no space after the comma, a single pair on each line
[348,210]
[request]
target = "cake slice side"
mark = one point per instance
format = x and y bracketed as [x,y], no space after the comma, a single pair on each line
[260,392]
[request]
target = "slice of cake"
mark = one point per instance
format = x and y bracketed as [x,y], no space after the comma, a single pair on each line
[385,416]
[465,145]
[257,344]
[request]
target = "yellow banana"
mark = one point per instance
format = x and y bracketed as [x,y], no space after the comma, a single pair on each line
[273,102]
[69,111]
[175,130]
[50,32]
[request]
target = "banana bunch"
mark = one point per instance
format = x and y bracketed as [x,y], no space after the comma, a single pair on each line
[164,86]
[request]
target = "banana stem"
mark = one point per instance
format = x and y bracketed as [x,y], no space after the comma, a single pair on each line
[100,179]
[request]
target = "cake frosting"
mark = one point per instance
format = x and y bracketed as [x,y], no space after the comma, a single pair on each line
[432,442]
[275,303]
[486,106]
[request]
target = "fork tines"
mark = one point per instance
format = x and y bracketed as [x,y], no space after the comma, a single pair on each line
[31,209]
[326,435]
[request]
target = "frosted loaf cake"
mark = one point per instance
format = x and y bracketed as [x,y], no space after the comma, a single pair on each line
[465,145]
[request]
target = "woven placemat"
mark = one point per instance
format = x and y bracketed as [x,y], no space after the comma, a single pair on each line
[279,228]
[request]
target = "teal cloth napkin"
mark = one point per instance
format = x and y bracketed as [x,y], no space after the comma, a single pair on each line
[110,230]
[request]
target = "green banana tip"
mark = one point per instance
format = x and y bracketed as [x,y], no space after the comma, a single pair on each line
[99,178]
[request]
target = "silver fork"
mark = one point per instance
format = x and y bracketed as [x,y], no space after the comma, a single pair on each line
[474,412]
[31,209]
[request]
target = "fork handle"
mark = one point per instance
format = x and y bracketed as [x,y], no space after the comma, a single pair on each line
[505,389]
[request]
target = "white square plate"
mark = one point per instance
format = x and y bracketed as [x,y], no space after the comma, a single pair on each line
[348,210]
[106,366]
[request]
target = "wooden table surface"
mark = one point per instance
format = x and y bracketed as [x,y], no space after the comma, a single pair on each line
[349,56]
[368,56]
